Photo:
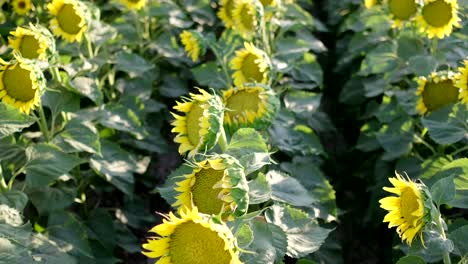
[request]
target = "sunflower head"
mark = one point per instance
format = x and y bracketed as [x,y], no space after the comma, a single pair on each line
[225,12]
[245,17]
[194,44]
[462,82]
[408,210]
[134,4]
[249,107]
[69,19]
[436,91]
[216,186]
[33,42]
[21,84]
[401,11]
[199,128]
[21,7]
[193,238]
[250,65]
[438,17]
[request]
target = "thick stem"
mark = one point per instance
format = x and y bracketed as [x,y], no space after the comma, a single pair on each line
[89,46]
[440,227]
[434,45]
[43,124]
[223,65]
[56,74]
[3,185]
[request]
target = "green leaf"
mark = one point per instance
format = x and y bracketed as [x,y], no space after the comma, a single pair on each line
[126,239]
[132,64]
[14,199]
[302,103]
[48,199]
[210,75]
[79,135]
[269,245]
[244,236]
[12,120]
[381,59]
[409,47]
[102,228]
[308,70]
[68,228]
[411,260]
[458,169]
[448,125]
[122,118]
[304,234]
[59,100]
[423,65]
[46,163]
[396,138]
[458,236]
[443,191]
[287,189]
[259,190]
[116,166]
[319,188]
[173,86]
[249,147]
[88,87]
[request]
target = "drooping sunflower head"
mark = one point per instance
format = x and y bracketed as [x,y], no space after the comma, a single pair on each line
[407,210]
[225,12]
[462,82]
[69,19]
[250,65]
[199,128]
[134,4]
[193,43]
[21,84]
[245,17]
[193,238]
[436,91]
[249,107]
[401,11]
[33,42]
[438,17]
[216,186]
[21,7]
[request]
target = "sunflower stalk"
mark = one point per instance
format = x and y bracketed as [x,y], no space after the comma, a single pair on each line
[43,124]
[265,38]
[223,64]
[222,141]
[56,74]
[3,185]
[89,46]
[440,227]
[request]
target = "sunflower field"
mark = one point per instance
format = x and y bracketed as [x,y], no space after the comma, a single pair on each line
[233,131]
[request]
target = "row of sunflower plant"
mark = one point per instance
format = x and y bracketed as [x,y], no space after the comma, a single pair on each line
[233,201]
[85,89]
[407,85]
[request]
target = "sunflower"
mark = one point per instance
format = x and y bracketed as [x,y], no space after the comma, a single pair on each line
[436,91]
[69,19]
[215,186]
[193,238]
[21,84]
[401,10]
[32,42]
[250,65]
[438,17]
[249,107]
[134,4]
[199,129]
[462,82]
[225,12]
[408,211]
[21,7]
[193,43]
[245,17]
